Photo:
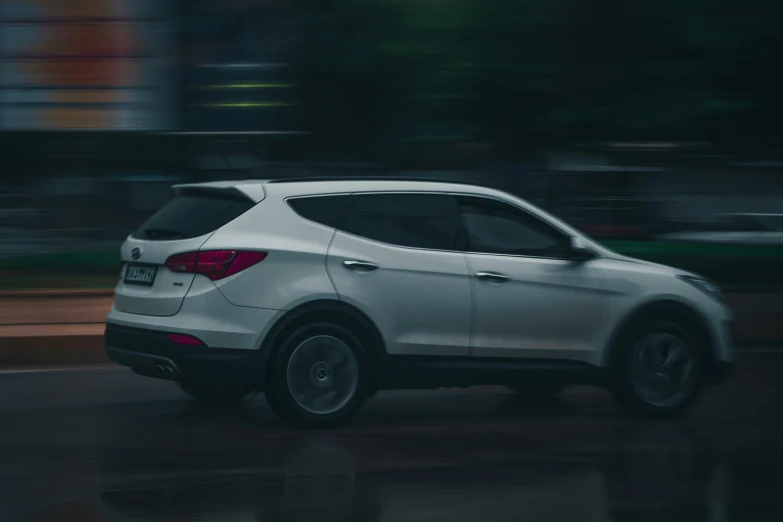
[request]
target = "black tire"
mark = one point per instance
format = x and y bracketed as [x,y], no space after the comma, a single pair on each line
[215,393]
[624,389]
[278,392]
[537,391]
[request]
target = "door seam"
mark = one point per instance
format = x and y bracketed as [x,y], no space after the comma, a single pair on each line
[473,307]
[326,266]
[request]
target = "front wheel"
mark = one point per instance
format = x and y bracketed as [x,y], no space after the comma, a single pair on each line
[657,370]
[320,376]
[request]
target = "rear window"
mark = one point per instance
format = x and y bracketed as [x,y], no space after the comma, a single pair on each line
[192,215]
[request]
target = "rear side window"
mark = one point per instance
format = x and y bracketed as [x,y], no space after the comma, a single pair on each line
[192,215]
[409,220]
[326,210]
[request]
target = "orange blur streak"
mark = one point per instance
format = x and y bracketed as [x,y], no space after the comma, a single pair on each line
[110,39]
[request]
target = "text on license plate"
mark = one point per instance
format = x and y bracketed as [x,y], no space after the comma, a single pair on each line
[140,275]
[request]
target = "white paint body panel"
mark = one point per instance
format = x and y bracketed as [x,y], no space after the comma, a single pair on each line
[630,284]
[294,271]
[547,309]
[207,315]
[419,299]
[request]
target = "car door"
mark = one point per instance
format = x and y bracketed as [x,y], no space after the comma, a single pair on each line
[391,259]
[530,300]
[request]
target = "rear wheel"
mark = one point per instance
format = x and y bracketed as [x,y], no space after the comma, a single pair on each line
[216,393]
[319,377]
[657,369]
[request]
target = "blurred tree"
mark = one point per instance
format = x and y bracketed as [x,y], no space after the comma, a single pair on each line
[345,75]
[396,75]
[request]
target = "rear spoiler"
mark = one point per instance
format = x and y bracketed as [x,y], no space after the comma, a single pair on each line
[253,191]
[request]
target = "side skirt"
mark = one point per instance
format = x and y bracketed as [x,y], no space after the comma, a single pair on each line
[423,372]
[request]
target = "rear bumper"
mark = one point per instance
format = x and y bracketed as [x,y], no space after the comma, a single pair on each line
[150,353]
[205,313]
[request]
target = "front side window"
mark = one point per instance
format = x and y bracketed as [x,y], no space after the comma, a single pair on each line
[409,220]
[492,227]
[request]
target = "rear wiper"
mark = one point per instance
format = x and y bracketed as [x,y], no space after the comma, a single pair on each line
[157,233]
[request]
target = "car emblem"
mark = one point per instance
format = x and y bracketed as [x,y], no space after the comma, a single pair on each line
[136,253]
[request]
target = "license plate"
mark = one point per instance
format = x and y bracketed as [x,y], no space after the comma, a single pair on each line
[140,275]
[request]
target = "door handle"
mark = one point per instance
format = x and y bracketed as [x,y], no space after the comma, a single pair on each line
[492,277]
[359,266]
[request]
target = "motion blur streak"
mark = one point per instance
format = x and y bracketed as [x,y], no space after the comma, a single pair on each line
[654,127]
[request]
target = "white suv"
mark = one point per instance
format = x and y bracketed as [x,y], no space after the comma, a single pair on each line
[319,293]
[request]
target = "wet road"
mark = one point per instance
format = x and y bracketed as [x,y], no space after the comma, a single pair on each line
[94,445]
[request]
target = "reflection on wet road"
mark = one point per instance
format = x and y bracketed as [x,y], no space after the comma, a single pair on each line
[98,445]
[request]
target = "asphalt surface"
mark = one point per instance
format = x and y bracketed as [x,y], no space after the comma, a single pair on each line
[104,444]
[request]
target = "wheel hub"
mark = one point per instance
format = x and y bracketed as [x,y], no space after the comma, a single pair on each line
[662,367]
[322,374]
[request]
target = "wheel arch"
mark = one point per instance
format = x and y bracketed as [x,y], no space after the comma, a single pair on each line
[330,310]
[663,308]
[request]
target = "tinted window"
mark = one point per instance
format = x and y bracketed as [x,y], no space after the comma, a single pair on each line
[325,210]
[192,215]
[410,220]
[496,228]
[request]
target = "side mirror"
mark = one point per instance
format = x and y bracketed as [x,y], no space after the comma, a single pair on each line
[579,253]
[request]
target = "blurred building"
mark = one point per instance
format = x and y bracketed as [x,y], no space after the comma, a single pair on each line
[103,101]
[86,65]
[236,58]
[146,65]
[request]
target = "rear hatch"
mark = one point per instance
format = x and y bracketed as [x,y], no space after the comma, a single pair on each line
[146,286]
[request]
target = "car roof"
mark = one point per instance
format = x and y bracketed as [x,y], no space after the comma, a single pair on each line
[257,188]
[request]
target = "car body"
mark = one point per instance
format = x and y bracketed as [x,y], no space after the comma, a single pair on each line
[325,291]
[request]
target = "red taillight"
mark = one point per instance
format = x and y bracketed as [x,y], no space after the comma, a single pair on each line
[182,262]
[215,264]
[188,340]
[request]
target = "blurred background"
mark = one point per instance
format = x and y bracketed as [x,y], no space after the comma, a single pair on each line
[654,126]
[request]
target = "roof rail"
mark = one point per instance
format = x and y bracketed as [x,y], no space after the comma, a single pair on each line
[369,178]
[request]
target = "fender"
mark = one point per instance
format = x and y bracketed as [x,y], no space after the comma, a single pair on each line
[662,306]
[326,309]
